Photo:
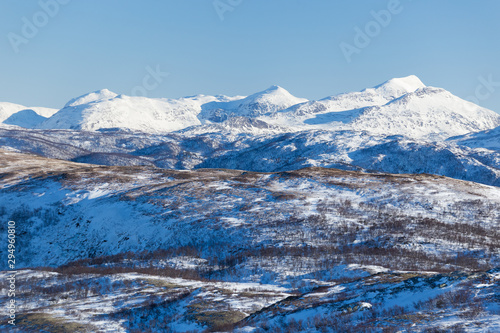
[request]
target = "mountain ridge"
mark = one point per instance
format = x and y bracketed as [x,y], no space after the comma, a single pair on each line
[399,106]
[8,109]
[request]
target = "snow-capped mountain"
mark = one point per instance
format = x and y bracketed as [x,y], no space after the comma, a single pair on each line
[25,118]
[400,106]
[259,213]
[378,95]
[20,115]
[427,111]
[93,97]
[104,109]
[397,107]
[271,100]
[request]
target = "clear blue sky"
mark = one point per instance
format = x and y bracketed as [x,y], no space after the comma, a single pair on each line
[92,44]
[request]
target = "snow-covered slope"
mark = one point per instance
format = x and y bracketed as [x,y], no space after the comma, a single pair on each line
[104,109]
[15,114]
[403,106]
[270,100]
[400,106]
[25,118]
[378,95]
[311,250]
[489,139]
[96,203]
[8,109]
[93,97]
[225,146]
[427,111]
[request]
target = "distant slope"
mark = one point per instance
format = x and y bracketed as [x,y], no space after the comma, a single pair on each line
[104,110]
[400,106]
[489,139]
[265,152]
[25,118]
[271,100]
[427,111]
[378,95]
[20,115]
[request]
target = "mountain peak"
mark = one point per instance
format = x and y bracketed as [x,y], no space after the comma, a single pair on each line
[273,92]
[408,83]
[275,87]
[275,95]
[273,99]
[95,96]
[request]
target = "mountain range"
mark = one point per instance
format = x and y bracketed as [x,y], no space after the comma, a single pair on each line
[401,106]
[369,211]
[400,126]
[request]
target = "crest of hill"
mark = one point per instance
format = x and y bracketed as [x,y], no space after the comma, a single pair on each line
[93,97]
[104,109]
[425,112]
[271,100]
[400,106]
[20,115]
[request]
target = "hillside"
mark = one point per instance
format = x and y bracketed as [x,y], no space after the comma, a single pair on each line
[402,106]
[378,95]
[104,109]
[271,100]
[489,139]
[370,211]
[264,151]
[151,249]
[19,115]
